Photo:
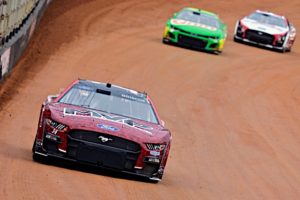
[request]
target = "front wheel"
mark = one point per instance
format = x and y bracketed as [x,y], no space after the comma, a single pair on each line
[36,157]
[283,50]
[288,49]
[165,41]
[154,180]
[217,52]
[235,39]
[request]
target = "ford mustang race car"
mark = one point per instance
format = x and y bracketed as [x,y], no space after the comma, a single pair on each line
[266,29]
[197,29]
[103,125]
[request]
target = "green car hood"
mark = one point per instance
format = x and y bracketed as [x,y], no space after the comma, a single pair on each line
[196,28]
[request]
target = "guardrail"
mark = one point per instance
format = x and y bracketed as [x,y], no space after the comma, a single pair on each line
[18,20]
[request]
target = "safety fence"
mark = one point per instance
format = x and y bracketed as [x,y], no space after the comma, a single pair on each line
[18,20]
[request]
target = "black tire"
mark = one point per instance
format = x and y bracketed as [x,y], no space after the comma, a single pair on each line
[235,39]
[153,181]
[164,41]
[283,50]
[217,52]
[36,157]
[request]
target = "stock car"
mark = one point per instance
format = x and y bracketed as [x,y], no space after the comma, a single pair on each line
[196,28]
[266,29]
[106,126]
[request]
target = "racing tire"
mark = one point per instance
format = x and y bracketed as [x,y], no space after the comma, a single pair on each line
[283,50]
[165,41]
[217,52]
[235,39]
[36,157]
[153,181]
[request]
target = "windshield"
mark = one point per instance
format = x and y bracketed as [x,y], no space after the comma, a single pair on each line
[120,104]
[199,18]
[268,19]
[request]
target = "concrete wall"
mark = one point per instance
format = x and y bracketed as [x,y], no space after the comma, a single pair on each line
[19,28]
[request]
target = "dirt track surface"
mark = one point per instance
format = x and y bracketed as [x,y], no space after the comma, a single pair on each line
[234,117]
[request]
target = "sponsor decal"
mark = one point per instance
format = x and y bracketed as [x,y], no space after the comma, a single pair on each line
[107,127]
[155,153]
[188,23]
[261,28]
[84,93]
[5,61]
[125,96]
[118,119]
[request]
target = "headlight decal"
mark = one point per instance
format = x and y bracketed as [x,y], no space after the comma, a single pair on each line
[56,125]
[156,147]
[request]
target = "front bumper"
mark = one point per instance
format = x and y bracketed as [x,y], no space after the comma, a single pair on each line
[237,38]
[259,38]
[99,155]
[196,41]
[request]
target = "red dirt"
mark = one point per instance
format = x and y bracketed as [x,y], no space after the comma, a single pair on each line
[234,117]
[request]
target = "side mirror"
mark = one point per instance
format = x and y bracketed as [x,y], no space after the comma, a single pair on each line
[292,27]
[162,122]
[224,26]
[292,31]
[51,98]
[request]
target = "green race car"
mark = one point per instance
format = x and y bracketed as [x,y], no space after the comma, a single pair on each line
[195,28]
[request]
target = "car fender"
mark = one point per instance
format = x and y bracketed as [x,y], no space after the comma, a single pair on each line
[236,26]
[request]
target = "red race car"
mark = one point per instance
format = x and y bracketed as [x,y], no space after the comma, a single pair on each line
[104,125]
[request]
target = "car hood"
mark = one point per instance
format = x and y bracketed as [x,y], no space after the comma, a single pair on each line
[267,28]
[196,28]
[78,118]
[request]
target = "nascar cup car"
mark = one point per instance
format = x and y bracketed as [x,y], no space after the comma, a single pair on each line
[106,126]
[197,29]
[266,29]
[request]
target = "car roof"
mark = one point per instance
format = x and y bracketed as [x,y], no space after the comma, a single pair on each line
[269,13]
[114,89]
[201,11]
